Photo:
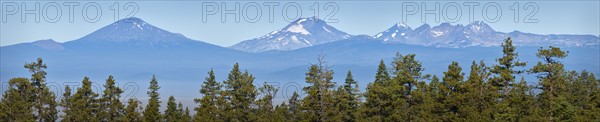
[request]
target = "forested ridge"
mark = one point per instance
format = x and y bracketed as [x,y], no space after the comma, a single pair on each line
[400,92]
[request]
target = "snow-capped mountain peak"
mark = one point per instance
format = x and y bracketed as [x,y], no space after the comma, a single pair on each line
[131,29]
[302,32]
[479,27]
[476,33]
[132,33]
[401,25]
[392,33]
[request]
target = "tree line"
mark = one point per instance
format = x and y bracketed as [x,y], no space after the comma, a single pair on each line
[399,93]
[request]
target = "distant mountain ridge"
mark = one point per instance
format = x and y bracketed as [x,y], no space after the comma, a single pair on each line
[132,33]
[303,32]
[476,33]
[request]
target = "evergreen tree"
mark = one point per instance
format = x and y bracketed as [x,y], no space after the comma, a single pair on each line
[265,104]
[347,100]
[185,115]
[294,107]
[208,109]
[553,85]
[17,103]
[111,108]
[85,103]
[319,97]
[478,101]
[241,93]
[152,113]
[281,113]
[45,101]
[132,111]
[584,93]
[504,80]
[505,68]
[423,103]
[377,106]
[436,91]
[67,104]
[453,93]
[522,103]
[408,72]
[172,113]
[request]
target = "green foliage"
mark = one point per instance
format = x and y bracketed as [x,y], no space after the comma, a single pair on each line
[504,81]
[111,108]
[45,101]
[453,93]
[377,106]
[505,68]
[132,111]
[67,104]
[294,111]
[265,104]
[346,100]
[479,97]
[16,103]
[240,94]
[318,104]
[209,108]
[84,102]
[185,115]
[553,85]
[152,113]
[408,72]
[584,92]
[172,113]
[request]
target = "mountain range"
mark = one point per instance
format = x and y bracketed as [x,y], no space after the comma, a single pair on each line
[476,33]
[306,32]
[133,50]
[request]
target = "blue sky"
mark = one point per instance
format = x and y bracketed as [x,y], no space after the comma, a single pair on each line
[354,17]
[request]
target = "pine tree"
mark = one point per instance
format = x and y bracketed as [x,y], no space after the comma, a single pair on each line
[111,107]
[132,111]
[436,91]
[294,107]
[281,113]
[505,68]
[208,109]
[553,85]
[453,92]
[377,106]
[408,72]
[185,116]
[84,103]
[423,103]
[522,103]
[17,103]
[583,91]
[504,80]
[172,113]
[265,104]
[347,100]
[478,101]
[45,101]
[241,93]
[152,113]
[319,91]
[66,103]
